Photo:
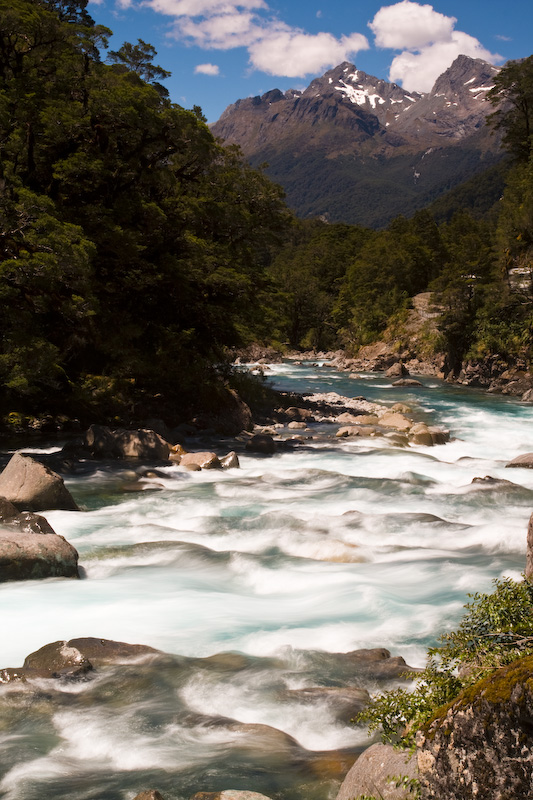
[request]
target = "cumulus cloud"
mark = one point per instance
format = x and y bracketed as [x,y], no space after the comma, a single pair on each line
[429,42]
[419,71]
[273,46]
[207,69]
[295,53]
[409,26]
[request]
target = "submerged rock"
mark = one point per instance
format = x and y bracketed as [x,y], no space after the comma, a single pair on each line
[32,486]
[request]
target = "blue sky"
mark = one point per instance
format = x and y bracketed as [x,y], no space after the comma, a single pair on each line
[221,50]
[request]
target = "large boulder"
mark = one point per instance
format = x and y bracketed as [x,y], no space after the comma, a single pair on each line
[480,744]
[30,549]
[261,443]
[376,773]
[202,460]
[102,442]
[73,660]
[525,460]
[32,486]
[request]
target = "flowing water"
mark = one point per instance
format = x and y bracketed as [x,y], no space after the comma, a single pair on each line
[285,567]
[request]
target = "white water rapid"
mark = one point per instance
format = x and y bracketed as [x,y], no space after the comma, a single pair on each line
[289,563]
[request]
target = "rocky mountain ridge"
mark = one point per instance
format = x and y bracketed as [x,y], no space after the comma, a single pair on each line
[349,140]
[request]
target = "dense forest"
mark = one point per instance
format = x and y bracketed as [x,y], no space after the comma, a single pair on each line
[136,251]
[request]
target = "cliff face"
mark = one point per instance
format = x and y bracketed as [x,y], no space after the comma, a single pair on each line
[481,746]
[357,149]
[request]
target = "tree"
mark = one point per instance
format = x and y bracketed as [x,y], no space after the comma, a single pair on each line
[512,95]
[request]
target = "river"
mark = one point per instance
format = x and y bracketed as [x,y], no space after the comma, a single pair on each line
[288,563]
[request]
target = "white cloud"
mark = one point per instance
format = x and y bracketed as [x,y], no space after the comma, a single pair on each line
[409,26]
[219,32]
[273,46]
[207,69]
[295,53]
[200,8]
[429,42]
[419,71]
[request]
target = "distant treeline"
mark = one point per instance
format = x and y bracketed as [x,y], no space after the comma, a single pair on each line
[135,251]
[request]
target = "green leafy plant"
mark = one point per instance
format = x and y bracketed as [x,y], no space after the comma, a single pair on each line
[496,630]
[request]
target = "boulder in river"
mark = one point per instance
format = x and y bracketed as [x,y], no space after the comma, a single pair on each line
[261,443]
[29,550]
[72,660]
[102,442]
[525,460]
[32,486]
[397,370]
[203,460]
[151,794]
[374,775]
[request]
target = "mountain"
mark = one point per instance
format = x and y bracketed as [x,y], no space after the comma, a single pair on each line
[354,148]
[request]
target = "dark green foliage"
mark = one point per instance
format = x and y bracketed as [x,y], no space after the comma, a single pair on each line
[133,248]
[496,629]
[368,191]
[478,196]
[512,95]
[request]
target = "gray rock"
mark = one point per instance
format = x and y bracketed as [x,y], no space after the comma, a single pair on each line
[31,551]
[73,660]
[479,745]
[204,460]
[32,486]
[102,442]
[230,461]
[261,443]
[525,460]
[374,772]
[396,370]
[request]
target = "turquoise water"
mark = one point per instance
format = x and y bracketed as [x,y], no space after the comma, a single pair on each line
[291,561]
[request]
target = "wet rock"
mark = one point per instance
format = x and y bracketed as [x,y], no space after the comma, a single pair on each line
[299,414]
[30,485]
[151,794]
[230,461]
[229,794]
[297,426]
[345,703]
[30,550]
[203,460]
[393,419]
[261,443]
[479,745]
[525,460]
[407,382]
[373,774]
[73,660]
[396,370]
[102,442]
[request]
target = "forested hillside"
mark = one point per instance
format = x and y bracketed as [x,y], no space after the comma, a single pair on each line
[344,285]
[136,251]
[133,248]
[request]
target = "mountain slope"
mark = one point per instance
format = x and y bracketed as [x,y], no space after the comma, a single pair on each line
[357,149]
